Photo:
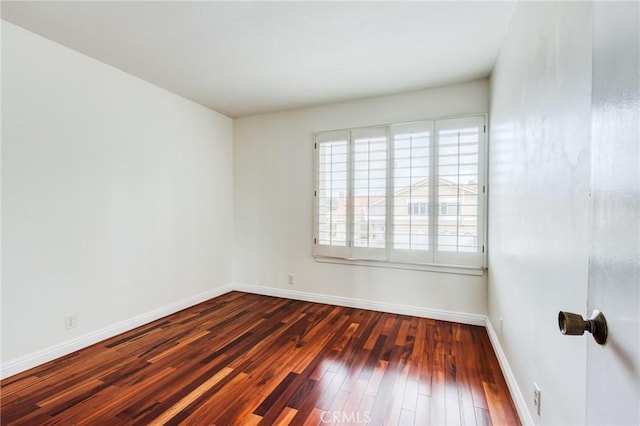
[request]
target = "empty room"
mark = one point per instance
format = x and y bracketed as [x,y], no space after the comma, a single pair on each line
[310,213]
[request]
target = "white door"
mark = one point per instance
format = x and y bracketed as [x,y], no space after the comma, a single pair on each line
[613,370]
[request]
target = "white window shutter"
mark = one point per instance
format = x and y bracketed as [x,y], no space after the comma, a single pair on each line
[411,218]
[331,194]
[459,232]
[369,152]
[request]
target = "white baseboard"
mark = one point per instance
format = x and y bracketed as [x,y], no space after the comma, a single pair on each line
[45,355]
[516,394]
[438,314]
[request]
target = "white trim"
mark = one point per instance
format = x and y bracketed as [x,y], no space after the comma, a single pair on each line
[34,359]
[438,314]
[514,389]
[447,269]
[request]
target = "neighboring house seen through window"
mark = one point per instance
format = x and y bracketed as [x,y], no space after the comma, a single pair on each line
[405,193]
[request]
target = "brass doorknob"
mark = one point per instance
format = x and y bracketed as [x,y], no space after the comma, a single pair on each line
[574,325]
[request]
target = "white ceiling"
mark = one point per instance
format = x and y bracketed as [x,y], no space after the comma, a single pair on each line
[244,58]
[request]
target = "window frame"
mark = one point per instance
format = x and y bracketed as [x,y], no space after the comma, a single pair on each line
[432,259]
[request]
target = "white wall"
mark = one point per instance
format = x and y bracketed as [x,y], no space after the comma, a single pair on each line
[116,195]
[539,201]
[273,201]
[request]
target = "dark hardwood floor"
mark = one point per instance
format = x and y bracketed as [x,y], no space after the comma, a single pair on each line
[248,359]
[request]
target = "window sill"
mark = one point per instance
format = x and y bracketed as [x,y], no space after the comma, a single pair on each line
[448,269]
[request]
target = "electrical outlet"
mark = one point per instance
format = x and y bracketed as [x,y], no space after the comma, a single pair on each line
[290,279]
[536,398]
[500,326]
[70,321]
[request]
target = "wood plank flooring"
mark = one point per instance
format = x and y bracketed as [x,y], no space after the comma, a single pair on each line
[248,359]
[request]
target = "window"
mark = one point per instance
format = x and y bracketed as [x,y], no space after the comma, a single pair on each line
[405,193]
[449,208]
[417,208]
